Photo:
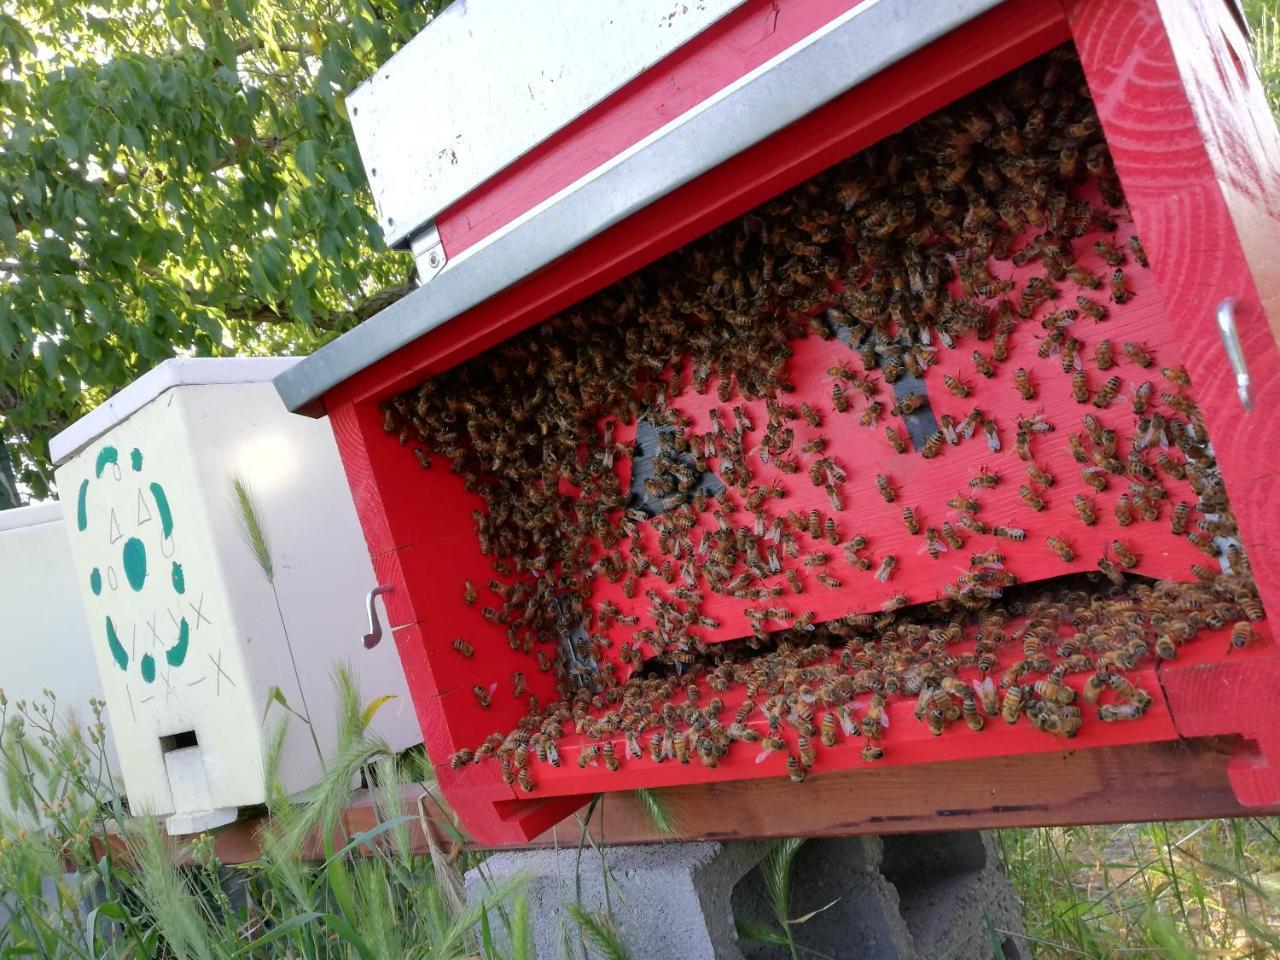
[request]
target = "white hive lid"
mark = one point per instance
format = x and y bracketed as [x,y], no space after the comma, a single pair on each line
[176,372]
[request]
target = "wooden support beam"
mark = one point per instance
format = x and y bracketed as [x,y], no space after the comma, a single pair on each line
[1175,780]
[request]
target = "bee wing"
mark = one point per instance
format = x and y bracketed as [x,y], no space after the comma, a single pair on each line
[884,719]
[492,687]
[553,755]
[847,723]
[764,752]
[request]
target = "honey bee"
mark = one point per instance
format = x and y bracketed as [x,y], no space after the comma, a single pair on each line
[811,416]
[956,386]
[1031,498]
[1095,477]
[871,414]
[895,439]
[1091,308]
[830,531]
[468,592]
[1062,549]
[1104,355]
[795,769]
[1242,635]
[794,581]
[1013,704]
[933,542]
[611,762]
[872,752]
[932,445]
[1141,397]
[460,759]
[1084,510]
[885,488]
[1010,533]
[838,400]
[992,434]
[1112,254]
[1106,393]
[1037,474]
[1112,712]
[827,580]
[1124,510]
[1080,386]
[1124,556]
[464,648]
[986,692]
[983,365]
[952,536]
[1111,571]
[481,695]
[1137,354]
[985,479]
[970,422]
[1135,247]
[1022,380]
[905,406]
[1119,292]
[910,521]
[886,568]
[828,729]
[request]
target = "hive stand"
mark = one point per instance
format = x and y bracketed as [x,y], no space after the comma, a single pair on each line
[936,897]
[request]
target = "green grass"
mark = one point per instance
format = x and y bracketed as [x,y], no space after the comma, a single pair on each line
[373,897]
[1190,889]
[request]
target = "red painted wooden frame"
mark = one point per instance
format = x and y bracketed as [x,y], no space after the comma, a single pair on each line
[1196,151]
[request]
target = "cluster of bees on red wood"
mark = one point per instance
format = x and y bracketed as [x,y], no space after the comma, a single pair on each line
[890,252]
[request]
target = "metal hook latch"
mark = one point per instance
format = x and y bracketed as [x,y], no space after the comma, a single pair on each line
[374,636]
[1235,351]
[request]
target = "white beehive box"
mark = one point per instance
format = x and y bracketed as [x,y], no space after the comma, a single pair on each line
[190,635]
[44,637]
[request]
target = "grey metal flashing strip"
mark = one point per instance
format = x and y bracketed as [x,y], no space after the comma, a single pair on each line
[849,50]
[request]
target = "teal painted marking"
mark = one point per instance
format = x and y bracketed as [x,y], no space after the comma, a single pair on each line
[179,581]
[95,581]
[166,515]
[82,512]
[135,562]
[135,458]
[105,456]
[148,667]
[178,652]
[118,652]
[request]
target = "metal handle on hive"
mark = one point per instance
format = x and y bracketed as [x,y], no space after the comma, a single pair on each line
[1235,351]
[374,636]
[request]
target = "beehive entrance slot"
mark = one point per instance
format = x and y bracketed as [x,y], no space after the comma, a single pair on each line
[179,741]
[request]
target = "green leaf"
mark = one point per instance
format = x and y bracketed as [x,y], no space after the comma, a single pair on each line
[305,158]
[366,716]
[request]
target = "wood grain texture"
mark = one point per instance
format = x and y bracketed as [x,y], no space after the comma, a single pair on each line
[1164,781]
[1198,159]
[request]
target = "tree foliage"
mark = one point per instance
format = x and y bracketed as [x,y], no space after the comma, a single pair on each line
[180,179]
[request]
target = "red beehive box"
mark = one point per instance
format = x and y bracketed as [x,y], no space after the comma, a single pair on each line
[685,134]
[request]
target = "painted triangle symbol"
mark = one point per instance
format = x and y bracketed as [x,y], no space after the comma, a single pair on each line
[116,535]
[144,513]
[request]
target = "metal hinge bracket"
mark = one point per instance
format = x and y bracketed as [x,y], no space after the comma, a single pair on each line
[428,252]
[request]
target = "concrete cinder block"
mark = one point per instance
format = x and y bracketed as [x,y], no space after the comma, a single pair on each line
[668,901]
[861,916]
[915,897]
[954,896]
